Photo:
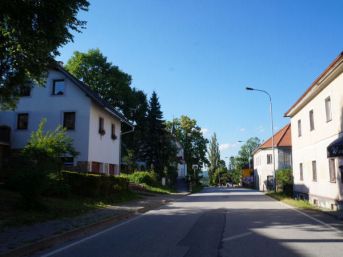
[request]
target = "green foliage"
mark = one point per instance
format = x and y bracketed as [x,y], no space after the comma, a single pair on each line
[189,134]
[113,85]
[220,176]
[41,157]
[142,177]
[159,149]
[30,34]
[102,76]
[213,156]
[284,181]
[129,160]
[245,153]
[94,185]
[47,148]
[235,176]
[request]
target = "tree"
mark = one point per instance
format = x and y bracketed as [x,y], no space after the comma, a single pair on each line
[189,134]
[30,34]
[113,85]
[245,153]
[213,156]
[159,150]
[220,176]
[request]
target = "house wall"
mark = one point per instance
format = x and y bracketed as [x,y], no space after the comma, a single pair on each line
[262,169]
[103,148]
[284,157]
[42,104]
[312,145]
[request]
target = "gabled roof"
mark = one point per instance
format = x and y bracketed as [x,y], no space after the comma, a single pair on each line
[93,95]
[282,138]
[326,73]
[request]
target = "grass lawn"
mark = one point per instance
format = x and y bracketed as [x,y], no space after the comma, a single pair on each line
[11,213]
[301,204]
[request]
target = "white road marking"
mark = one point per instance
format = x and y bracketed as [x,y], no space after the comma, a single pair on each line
[90,237]
[237,236]
[310,217]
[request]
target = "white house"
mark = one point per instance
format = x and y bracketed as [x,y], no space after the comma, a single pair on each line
[92,123]
[263,158]
[317,125]
[181,166]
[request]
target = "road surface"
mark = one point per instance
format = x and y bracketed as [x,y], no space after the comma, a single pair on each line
[216,222]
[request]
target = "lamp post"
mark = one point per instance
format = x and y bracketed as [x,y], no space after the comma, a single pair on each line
[272,124]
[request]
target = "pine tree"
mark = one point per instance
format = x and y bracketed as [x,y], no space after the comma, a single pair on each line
[155,136]
[213,155]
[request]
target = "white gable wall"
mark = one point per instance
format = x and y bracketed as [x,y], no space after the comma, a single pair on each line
[42,104]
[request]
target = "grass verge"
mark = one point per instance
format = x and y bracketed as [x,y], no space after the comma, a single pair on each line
[12,213]
[301,204]
[158,189]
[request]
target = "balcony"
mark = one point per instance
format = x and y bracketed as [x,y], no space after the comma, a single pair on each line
[5,135]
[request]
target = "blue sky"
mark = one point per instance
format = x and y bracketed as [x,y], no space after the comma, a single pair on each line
[199,55]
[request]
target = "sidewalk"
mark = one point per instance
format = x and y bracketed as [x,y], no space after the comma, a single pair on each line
[20,240]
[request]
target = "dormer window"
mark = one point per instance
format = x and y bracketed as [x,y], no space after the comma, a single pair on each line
[58,87]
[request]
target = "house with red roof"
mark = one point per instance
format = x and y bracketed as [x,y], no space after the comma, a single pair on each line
[263,158]
[317,141]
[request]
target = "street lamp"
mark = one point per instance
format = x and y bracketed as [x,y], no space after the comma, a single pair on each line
[272,123]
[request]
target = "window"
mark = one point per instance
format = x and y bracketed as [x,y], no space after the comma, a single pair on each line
[328,109]
[58,87]
[101,126]
[22,121]
[301,171]
[311,120]
[69,120]
[314,170]
[269,158]
[299,128]
[25,90]
[113,132]
[332,170]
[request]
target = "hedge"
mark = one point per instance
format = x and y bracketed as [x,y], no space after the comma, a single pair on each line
[94,185]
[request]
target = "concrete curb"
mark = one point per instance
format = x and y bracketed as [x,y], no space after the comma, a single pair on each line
[32,248]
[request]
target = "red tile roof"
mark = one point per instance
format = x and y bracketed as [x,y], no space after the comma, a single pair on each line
[281,138]
[334,62]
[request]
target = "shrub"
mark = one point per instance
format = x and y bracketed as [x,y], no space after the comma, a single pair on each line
[94,185]
[142,177]
[284,181]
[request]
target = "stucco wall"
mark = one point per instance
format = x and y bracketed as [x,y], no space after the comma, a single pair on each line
[262,169]
[102,147]
[312,144]
[42,104]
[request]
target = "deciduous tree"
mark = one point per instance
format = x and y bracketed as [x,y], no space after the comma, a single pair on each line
[30,34]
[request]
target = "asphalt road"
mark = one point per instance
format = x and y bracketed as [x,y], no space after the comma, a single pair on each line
[216,222]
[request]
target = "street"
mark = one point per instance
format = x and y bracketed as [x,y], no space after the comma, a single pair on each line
[215,222]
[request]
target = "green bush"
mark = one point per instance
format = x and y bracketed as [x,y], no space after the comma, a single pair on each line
[284,181]
[94,185]
[142,177]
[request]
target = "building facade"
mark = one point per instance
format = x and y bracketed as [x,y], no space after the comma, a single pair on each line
[263,158]
[92,123]
[317,124]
